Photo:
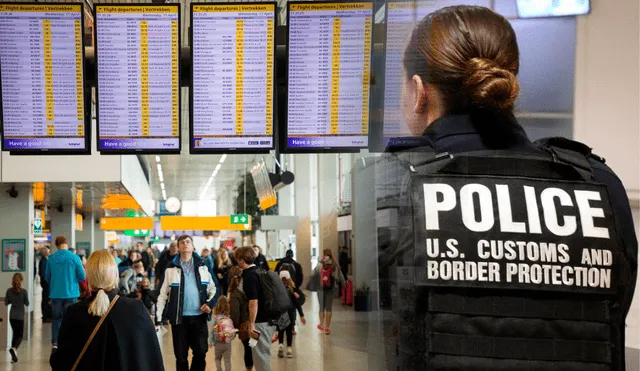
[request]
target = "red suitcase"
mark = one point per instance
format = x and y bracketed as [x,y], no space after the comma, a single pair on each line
[347,293]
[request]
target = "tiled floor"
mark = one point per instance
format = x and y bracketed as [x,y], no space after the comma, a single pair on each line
[350,347]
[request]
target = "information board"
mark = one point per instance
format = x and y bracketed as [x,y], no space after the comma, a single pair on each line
[232,85]
[138,78]
[42,83]
[401,19]
[329,71]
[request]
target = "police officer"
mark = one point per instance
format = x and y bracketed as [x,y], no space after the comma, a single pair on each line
[523,256]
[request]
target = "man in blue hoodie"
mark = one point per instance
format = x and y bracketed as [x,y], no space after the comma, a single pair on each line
[64,272]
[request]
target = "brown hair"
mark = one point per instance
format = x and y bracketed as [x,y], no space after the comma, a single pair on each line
[61,240]
[246,254]
[222,307]
[16,282]
[184,237]
[470,54]
[329,253]
[236,275]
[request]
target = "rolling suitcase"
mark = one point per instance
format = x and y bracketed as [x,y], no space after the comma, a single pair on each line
[347,293]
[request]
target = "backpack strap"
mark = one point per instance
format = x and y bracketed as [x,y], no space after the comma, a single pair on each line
[570,152]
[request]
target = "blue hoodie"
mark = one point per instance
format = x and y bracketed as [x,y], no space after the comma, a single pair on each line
[64,272]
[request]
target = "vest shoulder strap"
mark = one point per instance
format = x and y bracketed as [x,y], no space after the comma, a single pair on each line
[570,152]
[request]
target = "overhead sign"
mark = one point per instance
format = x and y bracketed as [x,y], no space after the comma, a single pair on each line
[239,219]
[232,86]
[329,62]
[121,224]
[37,225]
[203,223]
[119,202]
[138,87]
[43,97]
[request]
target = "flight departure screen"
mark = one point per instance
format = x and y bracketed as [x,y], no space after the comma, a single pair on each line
[401,19]
[232,85]
[41,64]
[329,72]
[138,77]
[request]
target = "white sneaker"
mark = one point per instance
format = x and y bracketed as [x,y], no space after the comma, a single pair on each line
[289,353]
[281,351]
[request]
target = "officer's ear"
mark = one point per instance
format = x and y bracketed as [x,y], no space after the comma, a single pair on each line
[421,92]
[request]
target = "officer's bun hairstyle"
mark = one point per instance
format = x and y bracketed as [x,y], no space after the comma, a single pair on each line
[470,54]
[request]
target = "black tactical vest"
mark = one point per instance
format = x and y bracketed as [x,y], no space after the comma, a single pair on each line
[506,262]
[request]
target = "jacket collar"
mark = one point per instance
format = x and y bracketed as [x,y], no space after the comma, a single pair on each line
[197,261]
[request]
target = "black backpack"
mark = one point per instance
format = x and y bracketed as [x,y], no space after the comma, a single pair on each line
[516,281]
[275,295]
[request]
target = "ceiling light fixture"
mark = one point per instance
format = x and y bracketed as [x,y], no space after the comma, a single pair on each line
[224,157]
[161,177]
[218,167]
[162,186]
[158,159]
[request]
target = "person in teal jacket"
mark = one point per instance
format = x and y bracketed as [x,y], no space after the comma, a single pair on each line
[64,273]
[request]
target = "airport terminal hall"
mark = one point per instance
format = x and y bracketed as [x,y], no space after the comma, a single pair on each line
[319,185]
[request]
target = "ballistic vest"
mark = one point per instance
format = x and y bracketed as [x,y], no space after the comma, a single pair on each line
[507,261]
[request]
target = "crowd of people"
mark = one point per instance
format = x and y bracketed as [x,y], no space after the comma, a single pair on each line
[98,305]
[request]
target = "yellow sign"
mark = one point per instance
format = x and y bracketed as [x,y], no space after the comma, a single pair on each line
[234,8]
[267,202]
[121,224]
[119,202]
[38,192]
[79,222]
[202,223]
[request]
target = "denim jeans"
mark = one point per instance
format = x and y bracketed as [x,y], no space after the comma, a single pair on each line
[58,306]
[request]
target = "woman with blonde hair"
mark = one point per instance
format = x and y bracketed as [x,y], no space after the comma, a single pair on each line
[105,331]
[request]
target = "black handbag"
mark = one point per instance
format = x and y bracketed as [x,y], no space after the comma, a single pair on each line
[283,322]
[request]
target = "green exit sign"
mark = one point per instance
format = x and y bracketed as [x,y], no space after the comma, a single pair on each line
[239,219]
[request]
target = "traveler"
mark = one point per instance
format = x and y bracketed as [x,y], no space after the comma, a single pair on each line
[126,340]
[297,298]
[261,260]
[259,327]
[131,278]
[506,248]
[326,278]
[144,256]
[189,290]
[132,257]
[116,257]
[239,314]
[64,274]
[208,261]
[144,294]
[165,257]
[222,266]
[223,333]
[152,261]
[18,298]
[293,267]
[45,304]
[344,261]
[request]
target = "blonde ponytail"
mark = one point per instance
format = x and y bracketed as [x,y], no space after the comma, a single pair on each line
[102,275]
[100,304]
